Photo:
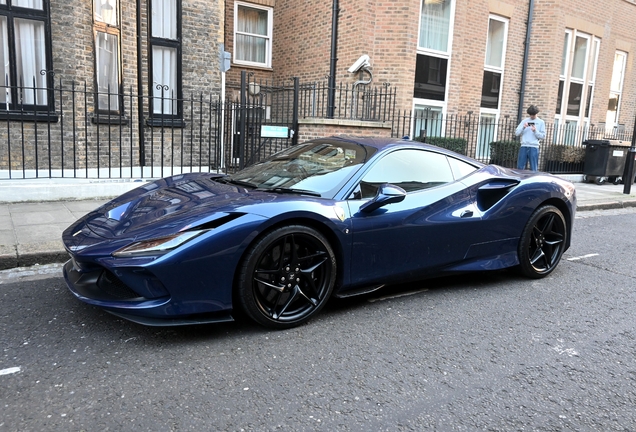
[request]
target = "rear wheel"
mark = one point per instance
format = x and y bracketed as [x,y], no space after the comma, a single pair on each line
[287,277]
[542,242]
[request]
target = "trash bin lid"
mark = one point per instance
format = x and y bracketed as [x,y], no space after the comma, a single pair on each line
[620,143]
[597,142]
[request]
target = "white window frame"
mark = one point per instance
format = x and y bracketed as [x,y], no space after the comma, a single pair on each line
[591,83]
[497,69]
[419,103]
[567,126]
[268,37]
[610,125]
[482,151]
[165,66]
[108,82]
[26,56]
[436,106]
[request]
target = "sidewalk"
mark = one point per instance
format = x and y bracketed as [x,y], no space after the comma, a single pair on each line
[31,232]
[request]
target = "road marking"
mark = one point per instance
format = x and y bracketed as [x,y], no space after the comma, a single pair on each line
[389,297]
[10,371]
[582,257]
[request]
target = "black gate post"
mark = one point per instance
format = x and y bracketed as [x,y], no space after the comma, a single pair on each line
[294,136]
[628,174]
[242,118]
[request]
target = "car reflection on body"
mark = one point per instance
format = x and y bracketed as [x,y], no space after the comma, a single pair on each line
[329,217]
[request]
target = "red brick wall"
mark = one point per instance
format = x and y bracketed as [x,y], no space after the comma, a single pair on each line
[302,45]
[388,30]
[310,129]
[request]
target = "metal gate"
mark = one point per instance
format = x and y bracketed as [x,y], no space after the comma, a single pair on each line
[262,122]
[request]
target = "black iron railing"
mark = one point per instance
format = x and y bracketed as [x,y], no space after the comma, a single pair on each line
[562,151]
[351,101]
[69,137]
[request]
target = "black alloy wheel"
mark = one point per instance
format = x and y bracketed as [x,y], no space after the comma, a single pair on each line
[542,242]
[287,277]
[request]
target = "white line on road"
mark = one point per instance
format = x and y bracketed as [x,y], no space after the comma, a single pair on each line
[582,257]
[10,371]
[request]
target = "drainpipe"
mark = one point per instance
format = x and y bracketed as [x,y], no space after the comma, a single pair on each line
[524,70]
[354,104]
[331,97]
[140,92]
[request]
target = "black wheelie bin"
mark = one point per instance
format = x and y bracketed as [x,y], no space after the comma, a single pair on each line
[604,160]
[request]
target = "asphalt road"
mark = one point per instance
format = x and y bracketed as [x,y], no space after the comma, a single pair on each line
[482,352]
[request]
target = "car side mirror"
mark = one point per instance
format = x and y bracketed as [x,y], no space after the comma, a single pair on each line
[386,194]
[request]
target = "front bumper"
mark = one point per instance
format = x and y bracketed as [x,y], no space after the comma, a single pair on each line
[101,287]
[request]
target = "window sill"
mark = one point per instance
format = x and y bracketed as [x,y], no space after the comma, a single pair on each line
[165,122]
[110,120]
[252,66]
[30,116]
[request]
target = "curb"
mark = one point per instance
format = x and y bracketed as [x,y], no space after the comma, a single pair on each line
[8,262]
[608,205]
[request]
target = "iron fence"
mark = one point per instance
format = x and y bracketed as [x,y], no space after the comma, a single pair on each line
[71,138]
[562,151]
[351,101]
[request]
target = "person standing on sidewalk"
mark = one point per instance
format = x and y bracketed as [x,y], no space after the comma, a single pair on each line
[531,130]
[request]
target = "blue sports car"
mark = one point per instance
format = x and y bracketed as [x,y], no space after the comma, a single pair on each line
[333,216]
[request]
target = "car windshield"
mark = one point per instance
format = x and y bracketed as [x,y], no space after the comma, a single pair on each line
[316,167]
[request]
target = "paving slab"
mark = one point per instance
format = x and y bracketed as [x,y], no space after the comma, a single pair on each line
[37,217]
[39,234]
[81,208]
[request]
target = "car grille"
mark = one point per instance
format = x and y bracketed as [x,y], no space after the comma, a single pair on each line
[111,285]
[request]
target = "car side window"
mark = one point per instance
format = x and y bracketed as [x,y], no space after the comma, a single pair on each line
[460,168]
[412,170]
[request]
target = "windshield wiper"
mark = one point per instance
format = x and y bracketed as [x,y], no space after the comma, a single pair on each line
[290,191]
[235,182]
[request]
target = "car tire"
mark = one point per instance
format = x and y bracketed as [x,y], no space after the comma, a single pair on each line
[542,242]
[286,277]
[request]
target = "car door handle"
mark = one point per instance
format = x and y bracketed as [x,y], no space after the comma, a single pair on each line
[466,213]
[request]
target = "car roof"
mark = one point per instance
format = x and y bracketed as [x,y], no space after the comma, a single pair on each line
[382,143]
[376,142]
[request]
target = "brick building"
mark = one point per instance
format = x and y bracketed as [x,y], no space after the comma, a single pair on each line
[117,81]
[95,81]
[96,41]
[457,56]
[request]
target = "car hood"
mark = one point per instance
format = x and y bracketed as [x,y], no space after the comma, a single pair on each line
[173,204]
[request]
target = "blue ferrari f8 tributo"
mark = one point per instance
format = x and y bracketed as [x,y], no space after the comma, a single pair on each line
[333,216]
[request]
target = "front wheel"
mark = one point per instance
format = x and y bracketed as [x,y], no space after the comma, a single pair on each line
[542,242]
[287,277]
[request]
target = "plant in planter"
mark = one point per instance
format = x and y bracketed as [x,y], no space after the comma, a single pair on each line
[504,153]
[563,159]
[458,145]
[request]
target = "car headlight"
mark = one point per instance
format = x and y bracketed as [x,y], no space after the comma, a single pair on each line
[158,245]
